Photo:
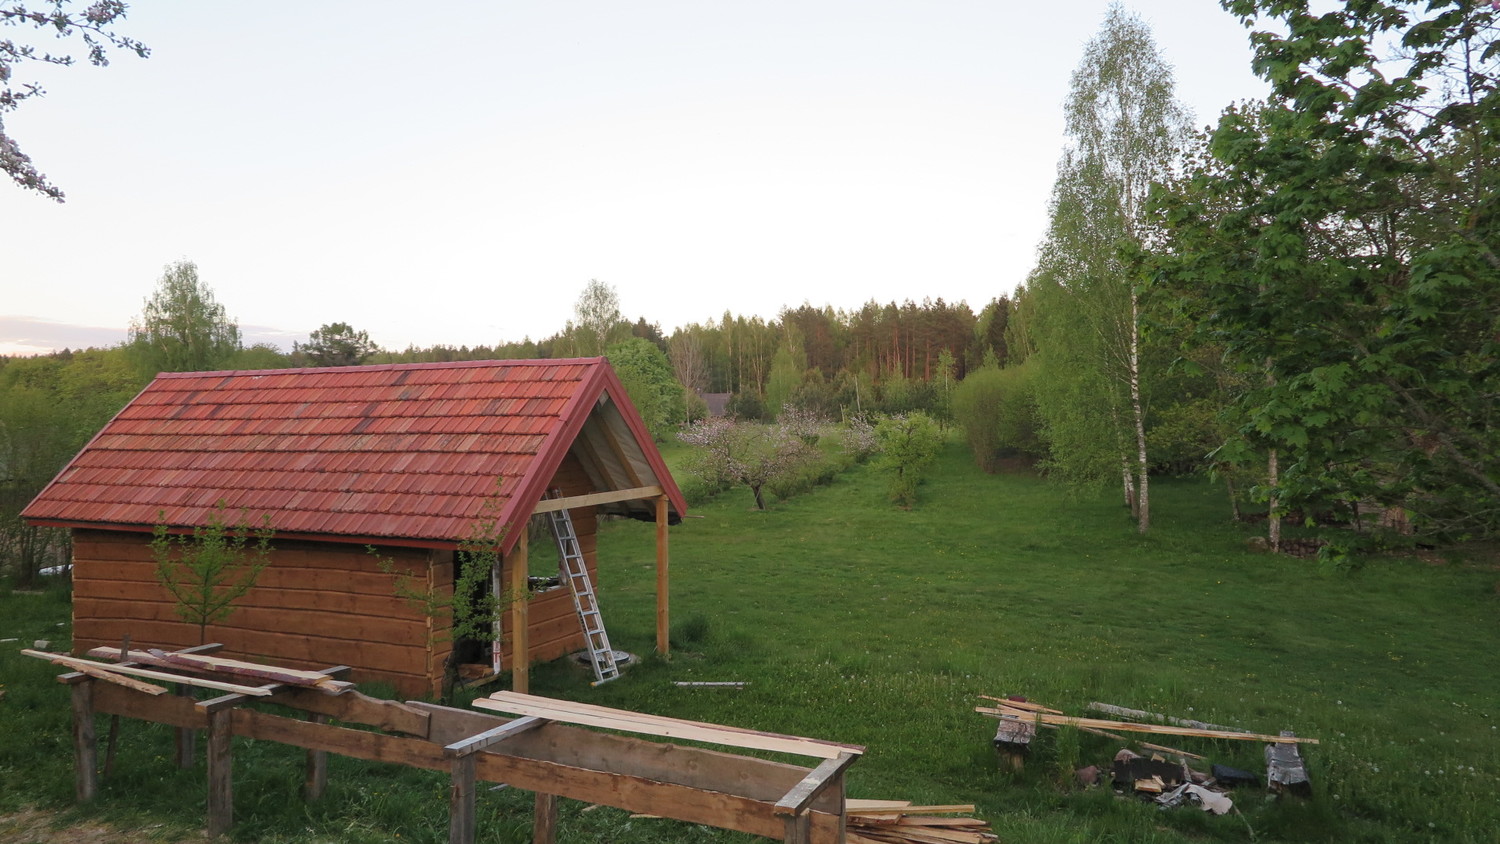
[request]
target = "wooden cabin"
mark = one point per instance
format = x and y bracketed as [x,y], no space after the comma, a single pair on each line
[406,459]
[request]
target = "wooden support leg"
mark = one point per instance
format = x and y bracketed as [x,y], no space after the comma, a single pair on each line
[85,744]
[544,829]
[317,766]
[663,582]
[461,802]
[798,829]
[187,738]
[220,780]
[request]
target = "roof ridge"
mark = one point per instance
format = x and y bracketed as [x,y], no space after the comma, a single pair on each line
[388,367]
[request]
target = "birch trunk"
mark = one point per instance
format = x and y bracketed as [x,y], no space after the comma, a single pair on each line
[1143,474]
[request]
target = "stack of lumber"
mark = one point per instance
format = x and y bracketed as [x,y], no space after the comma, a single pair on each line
[899,822]
[189,669]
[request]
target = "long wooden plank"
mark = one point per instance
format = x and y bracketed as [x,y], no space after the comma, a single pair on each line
[174,710]
[83,665]
[957,808]
[358,708]
[1022,704]
[854,804]
[548,505]
[1111,709]
[636,722]
[358,744]
[493,736]
[652,797]
[1127,726]
[579,747]
[118,680]
[264,673]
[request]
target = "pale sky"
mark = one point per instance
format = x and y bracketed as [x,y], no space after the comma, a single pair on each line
[456,173]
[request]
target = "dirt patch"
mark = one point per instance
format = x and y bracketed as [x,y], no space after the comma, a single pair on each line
[35,826]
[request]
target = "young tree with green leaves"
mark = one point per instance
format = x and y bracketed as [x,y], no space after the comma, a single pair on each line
[207,571]
[182,328]
[1125,130]
[908,444]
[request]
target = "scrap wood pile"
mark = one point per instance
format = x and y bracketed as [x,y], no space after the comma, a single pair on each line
[130,669]
[899,822]
[1168,781]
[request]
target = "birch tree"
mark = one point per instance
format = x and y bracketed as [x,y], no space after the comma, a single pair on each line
[1125,129]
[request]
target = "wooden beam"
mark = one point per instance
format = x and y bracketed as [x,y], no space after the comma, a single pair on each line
[1098,723]
[1111,709]
[492,736]
[101,673]
[84,665]
[520,633]
[549,505]
[663,581]
[802,794]
[85,744]
[639,722]
[608,435]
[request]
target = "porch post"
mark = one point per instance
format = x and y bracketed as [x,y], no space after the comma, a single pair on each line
[520,633]
[663,586]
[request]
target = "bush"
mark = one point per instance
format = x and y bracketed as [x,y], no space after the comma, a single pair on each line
[996,409]
[908,444]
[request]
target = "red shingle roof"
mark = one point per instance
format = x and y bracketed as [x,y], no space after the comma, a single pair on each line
[409,452]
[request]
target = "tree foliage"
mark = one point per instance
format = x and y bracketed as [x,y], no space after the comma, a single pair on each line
[647,376]
[755,455]
[336,344]
[1340,241]
[996,409]
[92,26]
[182,328]
[49,407]
[597,322]
[1125,130]
[908,444]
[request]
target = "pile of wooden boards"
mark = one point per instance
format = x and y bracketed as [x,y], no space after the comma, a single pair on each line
[191,669]
[899,822]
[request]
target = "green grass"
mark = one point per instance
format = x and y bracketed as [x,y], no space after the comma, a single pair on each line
[855,621]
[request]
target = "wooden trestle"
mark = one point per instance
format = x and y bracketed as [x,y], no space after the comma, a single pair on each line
[534,752]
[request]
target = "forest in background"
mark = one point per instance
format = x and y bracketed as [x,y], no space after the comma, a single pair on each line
[1303,301]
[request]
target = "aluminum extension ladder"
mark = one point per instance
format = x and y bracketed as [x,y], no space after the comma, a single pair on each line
[576,571]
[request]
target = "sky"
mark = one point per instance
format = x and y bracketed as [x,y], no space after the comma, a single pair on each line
[456,173]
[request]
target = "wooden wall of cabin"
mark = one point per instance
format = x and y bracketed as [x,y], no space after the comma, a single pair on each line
[316,604]
[551,618]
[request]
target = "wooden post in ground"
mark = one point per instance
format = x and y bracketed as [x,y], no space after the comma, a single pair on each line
[798,829]
[663,583]
[220,772]
[187,737]
[317,766]
[85,744]
[520,639]
[544,828]
[461,801]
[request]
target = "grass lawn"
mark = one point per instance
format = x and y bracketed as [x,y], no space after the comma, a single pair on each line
[854,621]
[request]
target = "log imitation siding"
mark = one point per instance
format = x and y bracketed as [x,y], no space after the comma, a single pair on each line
[316,604]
